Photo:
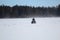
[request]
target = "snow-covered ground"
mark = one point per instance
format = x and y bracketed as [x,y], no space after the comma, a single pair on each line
[22,29]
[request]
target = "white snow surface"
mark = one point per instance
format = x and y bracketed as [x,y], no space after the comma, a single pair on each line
[22,29]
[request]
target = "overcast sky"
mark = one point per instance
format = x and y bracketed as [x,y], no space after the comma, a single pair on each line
[30,2]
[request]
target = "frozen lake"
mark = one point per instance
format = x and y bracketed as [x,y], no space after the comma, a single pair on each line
[22,29]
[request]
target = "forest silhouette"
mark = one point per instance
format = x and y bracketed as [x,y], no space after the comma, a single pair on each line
[28,11]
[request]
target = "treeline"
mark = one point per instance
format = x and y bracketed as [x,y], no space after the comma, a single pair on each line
[28,11]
